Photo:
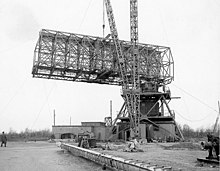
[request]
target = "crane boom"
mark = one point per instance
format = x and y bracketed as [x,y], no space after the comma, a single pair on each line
[126,84]
[131,89]
[141,69]
[135,54]
[216,122]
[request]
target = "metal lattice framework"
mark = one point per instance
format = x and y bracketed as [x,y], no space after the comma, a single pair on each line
[83,58]
[127,83]
[135,54]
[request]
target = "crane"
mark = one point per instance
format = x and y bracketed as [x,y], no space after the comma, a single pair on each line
[129,87]
[135,54]
[141,69]
[216,122]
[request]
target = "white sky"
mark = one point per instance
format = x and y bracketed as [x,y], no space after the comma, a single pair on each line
[190,28]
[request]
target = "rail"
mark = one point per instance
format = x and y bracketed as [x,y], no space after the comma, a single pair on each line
[112,161]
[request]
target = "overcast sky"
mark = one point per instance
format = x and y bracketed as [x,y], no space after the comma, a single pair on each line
[190,28]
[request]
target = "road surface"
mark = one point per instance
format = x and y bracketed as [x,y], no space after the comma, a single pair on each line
[41,156]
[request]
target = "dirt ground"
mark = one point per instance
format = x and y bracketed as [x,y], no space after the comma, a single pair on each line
[180,156]
[44,156]
[41,156]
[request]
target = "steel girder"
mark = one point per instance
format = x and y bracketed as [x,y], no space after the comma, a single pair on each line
[74,57]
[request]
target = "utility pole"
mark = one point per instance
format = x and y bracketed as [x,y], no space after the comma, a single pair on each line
[111,111]
[54,115]
[70,120]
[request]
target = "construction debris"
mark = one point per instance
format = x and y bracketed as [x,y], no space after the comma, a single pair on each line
[133,146]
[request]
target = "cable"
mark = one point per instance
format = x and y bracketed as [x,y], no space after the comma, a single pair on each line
[163,25]
[12,98]
[195,98]
[45,93]
[84,16]
[103,25]
[42,108]
[190,119]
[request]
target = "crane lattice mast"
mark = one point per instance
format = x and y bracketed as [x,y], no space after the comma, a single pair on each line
[126,83]
[141,69]
[135,54]
[216,122]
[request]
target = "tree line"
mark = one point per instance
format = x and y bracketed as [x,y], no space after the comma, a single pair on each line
[189,132]
[29,135]
[45,134]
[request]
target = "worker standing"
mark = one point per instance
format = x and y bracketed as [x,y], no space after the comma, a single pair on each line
[216,146]
[3,139]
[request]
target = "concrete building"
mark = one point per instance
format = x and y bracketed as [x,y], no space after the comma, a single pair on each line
[155,128]
[164,130]
[98,130]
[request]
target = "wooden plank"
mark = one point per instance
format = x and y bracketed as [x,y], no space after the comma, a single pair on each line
[208,160]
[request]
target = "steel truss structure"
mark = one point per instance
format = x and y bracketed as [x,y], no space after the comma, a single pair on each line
[82,58]
[75,57]
[135,54]
[127,83]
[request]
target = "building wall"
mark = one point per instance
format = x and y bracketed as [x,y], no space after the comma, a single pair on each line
[142,129]
[149,132]
[100,132]
[163,134]
[59,130]
[103,133]
[93,123]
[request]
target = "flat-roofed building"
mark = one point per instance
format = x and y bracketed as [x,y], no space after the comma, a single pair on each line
[98,130]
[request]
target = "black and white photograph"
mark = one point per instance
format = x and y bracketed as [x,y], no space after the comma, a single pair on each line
[96,85]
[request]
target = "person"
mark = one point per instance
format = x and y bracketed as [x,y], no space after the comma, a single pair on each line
[3,139]
[216,146]
[207,146]
[213,143]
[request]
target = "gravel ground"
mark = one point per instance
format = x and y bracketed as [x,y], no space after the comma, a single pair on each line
[180,156]
[41,156]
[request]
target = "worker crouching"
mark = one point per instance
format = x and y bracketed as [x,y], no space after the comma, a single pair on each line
[211,145]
